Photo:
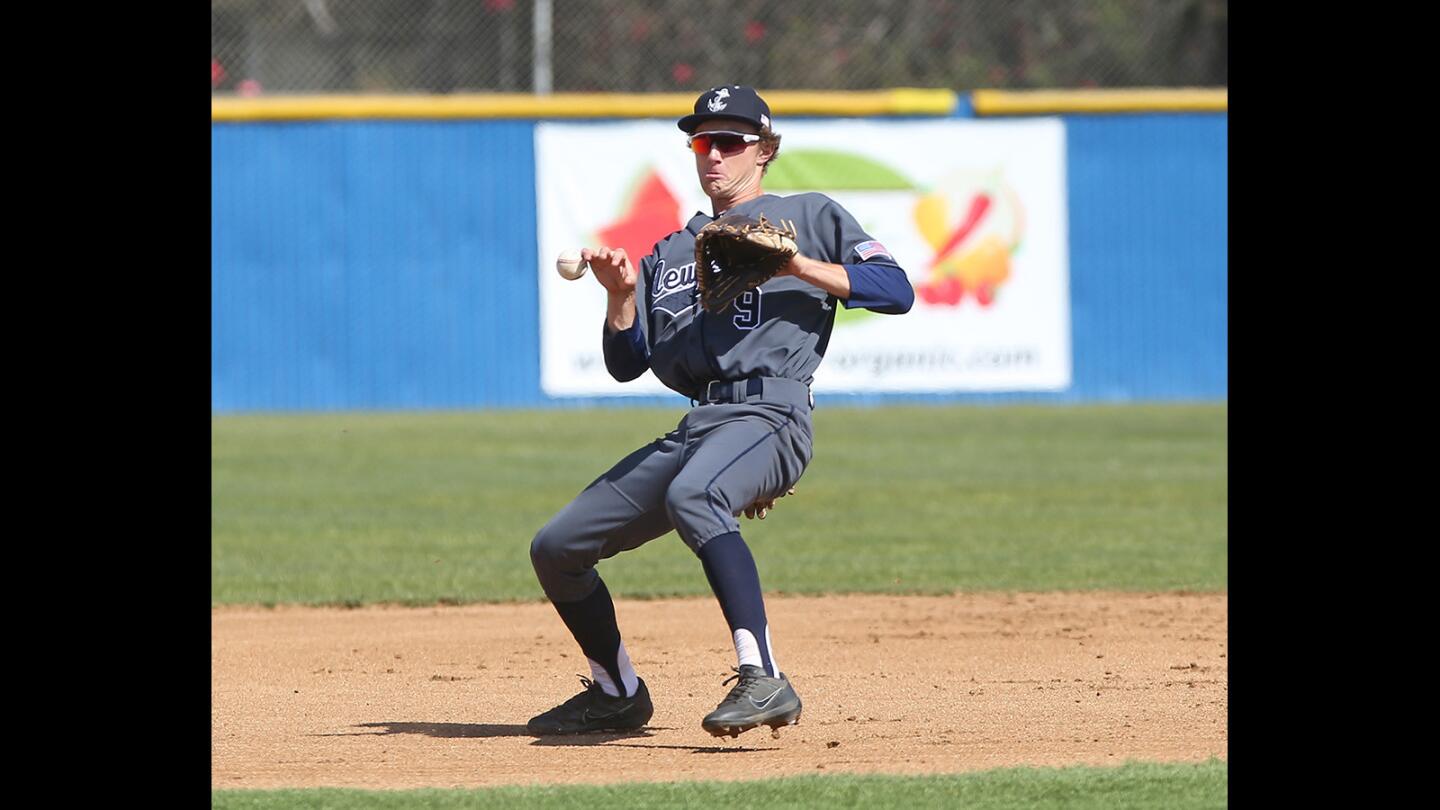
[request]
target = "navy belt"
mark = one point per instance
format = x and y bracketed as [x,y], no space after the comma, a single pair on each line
[723,392]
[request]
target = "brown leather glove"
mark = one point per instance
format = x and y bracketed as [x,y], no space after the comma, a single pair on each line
[736,253]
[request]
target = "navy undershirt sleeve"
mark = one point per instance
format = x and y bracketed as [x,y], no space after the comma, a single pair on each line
[879,287]
[626,355]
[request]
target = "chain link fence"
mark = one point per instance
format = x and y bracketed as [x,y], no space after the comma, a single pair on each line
[541,46]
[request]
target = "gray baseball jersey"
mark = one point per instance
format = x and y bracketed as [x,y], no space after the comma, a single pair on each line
[779,329]
[749,367]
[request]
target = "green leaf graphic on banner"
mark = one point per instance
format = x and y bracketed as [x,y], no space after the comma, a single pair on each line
[827,170]
[845,317]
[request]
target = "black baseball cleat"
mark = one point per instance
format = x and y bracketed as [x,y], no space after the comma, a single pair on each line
[757,700]
[593,710]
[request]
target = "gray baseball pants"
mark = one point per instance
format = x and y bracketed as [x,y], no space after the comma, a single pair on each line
[695,479]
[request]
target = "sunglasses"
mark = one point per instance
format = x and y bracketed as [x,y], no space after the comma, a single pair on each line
[729,143]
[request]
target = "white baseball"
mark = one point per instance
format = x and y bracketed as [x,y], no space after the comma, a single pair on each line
[570,266]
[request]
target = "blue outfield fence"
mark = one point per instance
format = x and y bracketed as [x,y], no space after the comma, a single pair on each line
[1148,256]
[373,265]
[378,265]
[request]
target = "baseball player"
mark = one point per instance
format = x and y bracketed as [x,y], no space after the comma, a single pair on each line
[746,440]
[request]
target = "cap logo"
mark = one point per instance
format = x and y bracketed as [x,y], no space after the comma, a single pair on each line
[717,101]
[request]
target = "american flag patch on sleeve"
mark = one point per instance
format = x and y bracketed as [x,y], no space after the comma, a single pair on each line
[871,249]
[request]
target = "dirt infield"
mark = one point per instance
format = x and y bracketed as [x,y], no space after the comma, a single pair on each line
[438,697]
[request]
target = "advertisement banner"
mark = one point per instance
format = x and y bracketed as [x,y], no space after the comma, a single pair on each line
[974,211]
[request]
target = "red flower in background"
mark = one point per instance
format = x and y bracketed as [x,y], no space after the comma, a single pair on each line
[754,31]
[682,72]
[499,5]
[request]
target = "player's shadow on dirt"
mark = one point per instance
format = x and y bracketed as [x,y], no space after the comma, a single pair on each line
[451,731]
[443,730]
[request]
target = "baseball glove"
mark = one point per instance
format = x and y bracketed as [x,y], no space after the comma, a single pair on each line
[736,253]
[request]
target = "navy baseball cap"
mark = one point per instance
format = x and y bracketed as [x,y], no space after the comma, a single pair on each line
[732,101]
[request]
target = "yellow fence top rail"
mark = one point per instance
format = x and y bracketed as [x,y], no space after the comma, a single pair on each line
[899,101]
[1034,102]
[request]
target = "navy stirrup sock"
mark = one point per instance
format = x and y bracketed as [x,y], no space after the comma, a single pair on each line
[731,570]
[592,622]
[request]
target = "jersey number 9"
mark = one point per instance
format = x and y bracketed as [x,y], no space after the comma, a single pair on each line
[747,309]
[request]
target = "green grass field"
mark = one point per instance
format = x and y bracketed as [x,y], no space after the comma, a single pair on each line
[419,508]
[1133,785]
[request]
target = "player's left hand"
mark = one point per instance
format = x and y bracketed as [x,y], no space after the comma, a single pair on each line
[760,508]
